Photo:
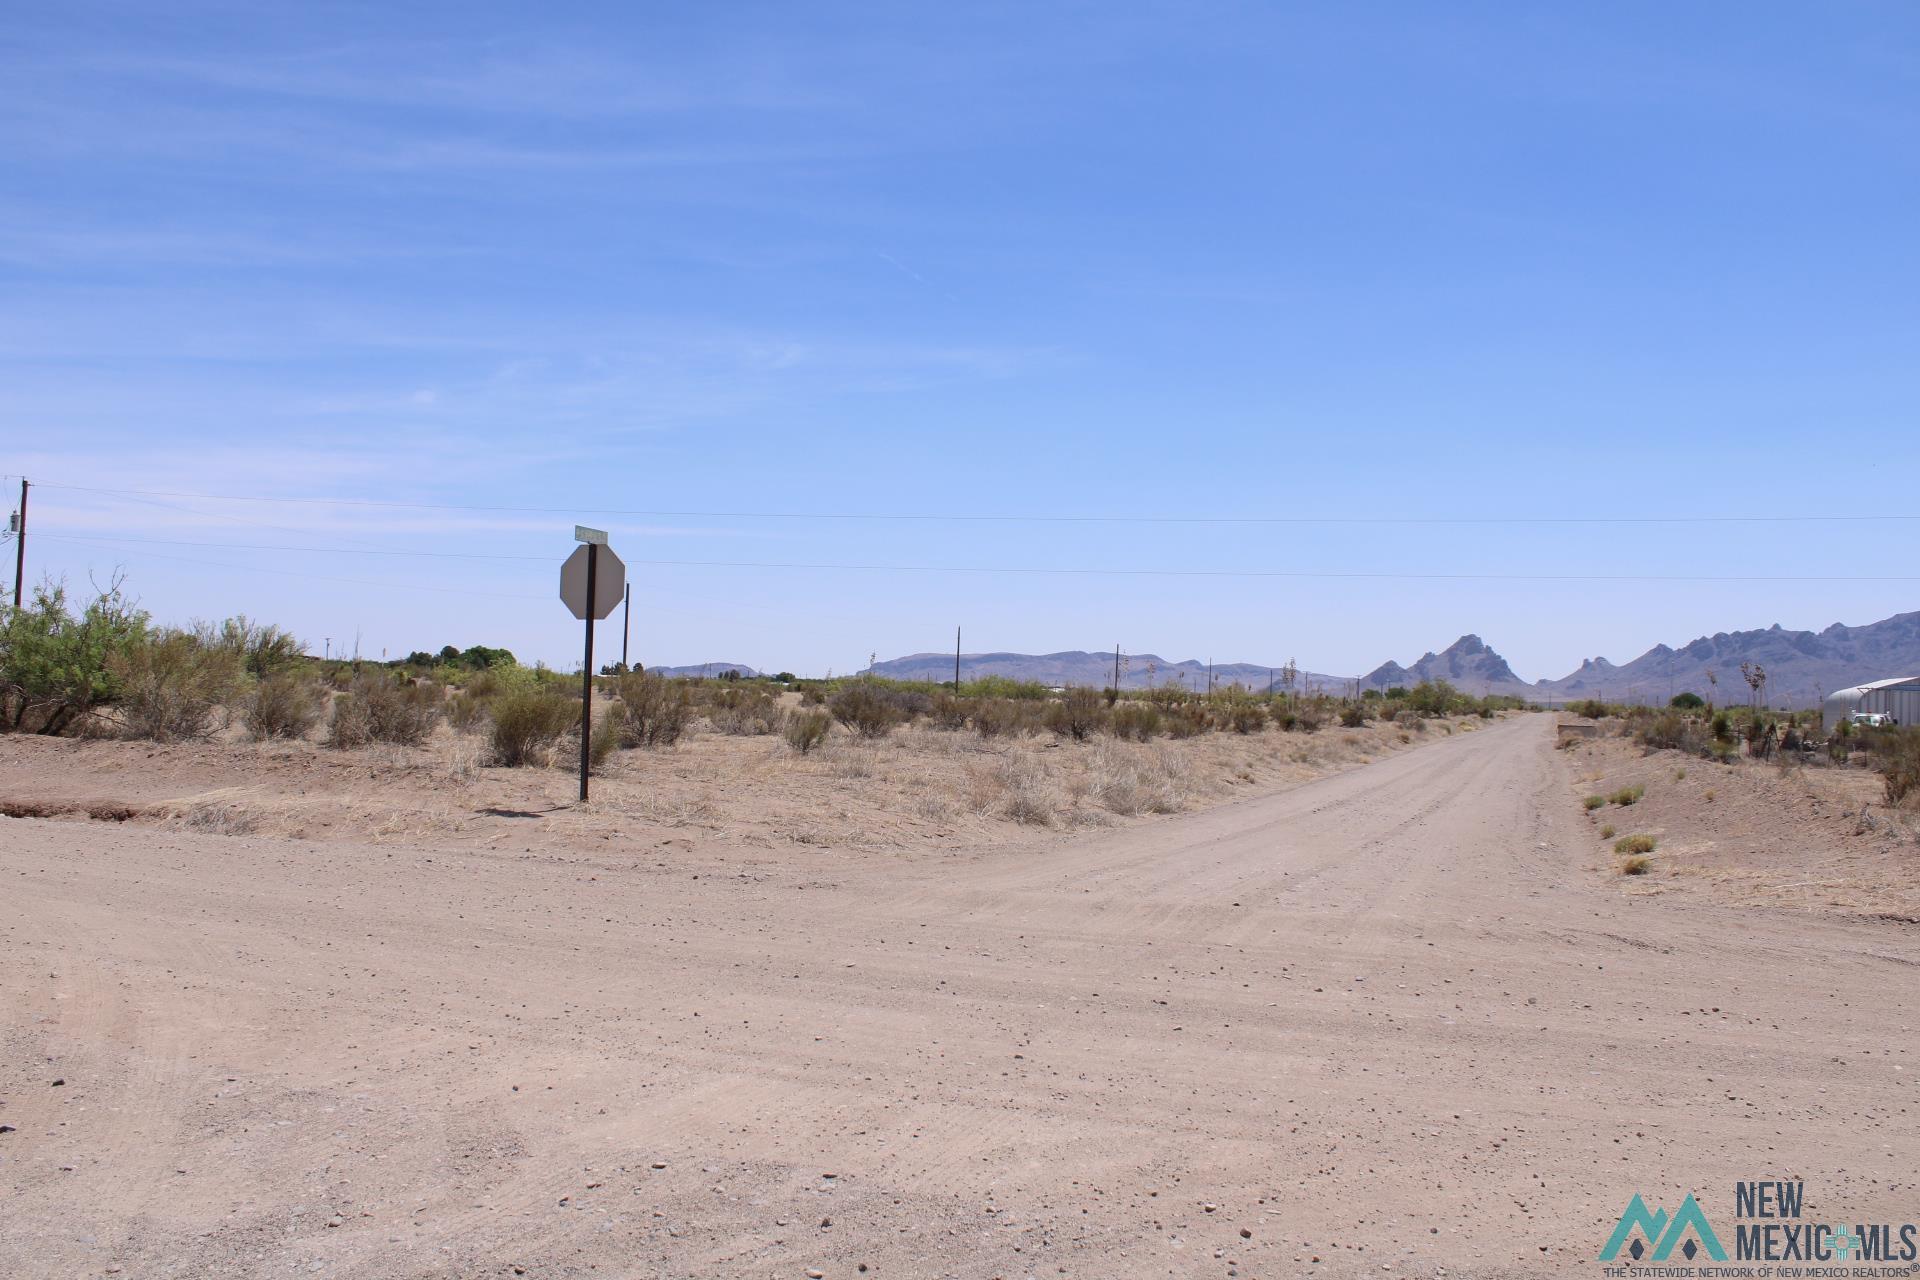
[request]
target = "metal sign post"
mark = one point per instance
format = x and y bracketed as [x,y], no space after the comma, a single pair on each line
[586,675]
[592,583]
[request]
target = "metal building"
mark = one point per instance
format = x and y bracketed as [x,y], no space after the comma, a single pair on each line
[1899,698]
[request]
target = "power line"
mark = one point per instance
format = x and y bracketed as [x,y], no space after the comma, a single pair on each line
[344,551]
[987,518]
[313,577]
[1284,573]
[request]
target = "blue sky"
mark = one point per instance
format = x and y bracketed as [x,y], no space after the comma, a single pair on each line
[1375,261]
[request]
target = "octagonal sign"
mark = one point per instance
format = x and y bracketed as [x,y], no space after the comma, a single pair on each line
[609,581]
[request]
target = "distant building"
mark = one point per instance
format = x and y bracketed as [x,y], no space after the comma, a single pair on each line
[1899,698]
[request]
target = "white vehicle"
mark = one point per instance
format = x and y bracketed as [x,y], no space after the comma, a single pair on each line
[1870,720]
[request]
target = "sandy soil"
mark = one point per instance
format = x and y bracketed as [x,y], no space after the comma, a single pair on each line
[1392,1021]
[1797,837]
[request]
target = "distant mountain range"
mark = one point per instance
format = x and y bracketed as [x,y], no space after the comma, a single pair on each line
[707,669]
[1801,666]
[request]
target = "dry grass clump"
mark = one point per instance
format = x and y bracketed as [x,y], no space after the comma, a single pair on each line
[1129,783]
[1626,796]
[283,706]
[1635,844]
[1593,802]
[654,712]
[1025,794]
[378,708]
[805,730]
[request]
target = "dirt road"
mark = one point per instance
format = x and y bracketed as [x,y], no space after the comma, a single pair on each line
[1385,1023]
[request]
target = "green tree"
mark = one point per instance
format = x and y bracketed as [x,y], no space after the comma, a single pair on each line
[55,667]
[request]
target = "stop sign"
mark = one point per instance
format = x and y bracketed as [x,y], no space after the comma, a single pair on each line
[609,581]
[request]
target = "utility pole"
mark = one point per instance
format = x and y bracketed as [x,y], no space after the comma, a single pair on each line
[626,628]
[1116,670]
[20,548]
[328,652]
[1209,677]
[956,662]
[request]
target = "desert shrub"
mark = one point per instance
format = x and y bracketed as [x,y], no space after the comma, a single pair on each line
[54,664]
[1078,714]
[1005,717]
[751,715]
[1607,830]
[1627,795]
[654,711]
[947,712]
[1687,701]
[805,730]
[1436,698]
[1762,734]
[1242,715]
[283,706]
[1672,731]
[1186,720]
[866,709]
[1593,802]
[1591,708]
[528,725]
[1722,727]
[378,708]
[466,712]
[172,683]
[812,695]
[1138,721]
[1635,844]
[262,649]
[1353,715]
[1636,865]
[1896,757]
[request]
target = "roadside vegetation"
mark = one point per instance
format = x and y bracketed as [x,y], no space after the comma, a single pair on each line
[106,670]
[1694,727]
